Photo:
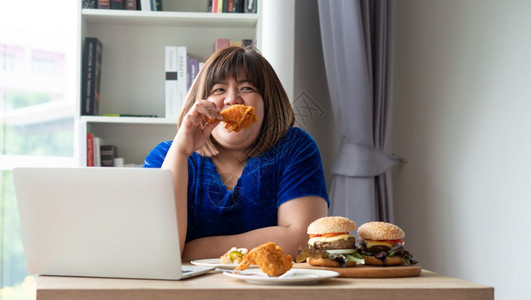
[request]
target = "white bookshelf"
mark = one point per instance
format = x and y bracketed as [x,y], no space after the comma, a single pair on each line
[132,72]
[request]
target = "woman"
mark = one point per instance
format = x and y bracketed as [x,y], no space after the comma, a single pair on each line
[261,184]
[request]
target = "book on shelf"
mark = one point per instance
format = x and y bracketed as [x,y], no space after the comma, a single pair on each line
[231,6]
[108,154]
[89,4]
[237,6]
[171,85]
[225,6]
[90,150]
[130,5]
[193,70]
[156,5]
[250,6]
[145,5]
[91,76]
[219,6]
[182,76]
[96,146]
[93,150]
[104,4]
[117,4]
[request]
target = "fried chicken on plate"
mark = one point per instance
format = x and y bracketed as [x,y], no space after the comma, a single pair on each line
[269,258]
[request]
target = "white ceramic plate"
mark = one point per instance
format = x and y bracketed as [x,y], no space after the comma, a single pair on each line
[298,276]
[213,262]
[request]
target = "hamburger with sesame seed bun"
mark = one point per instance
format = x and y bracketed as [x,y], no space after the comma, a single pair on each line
[330,244]
[382,244]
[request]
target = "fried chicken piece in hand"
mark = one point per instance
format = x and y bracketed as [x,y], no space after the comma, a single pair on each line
[237,117]
[269,258]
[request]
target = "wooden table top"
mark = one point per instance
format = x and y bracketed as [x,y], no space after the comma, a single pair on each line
[215,285]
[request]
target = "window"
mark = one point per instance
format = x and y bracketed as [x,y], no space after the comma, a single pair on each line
[38,57]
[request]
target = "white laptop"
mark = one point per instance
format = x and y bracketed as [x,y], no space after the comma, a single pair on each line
[100,222]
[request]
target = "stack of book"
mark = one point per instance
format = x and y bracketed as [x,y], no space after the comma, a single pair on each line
[145,5]
[232,6]
[176,85]
[214,6]
[100,154]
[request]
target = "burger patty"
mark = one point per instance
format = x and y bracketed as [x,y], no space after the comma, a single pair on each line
[378,248]
[337,244]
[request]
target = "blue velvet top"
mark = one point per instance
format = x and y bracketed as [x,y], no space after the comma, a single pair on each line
[290,169]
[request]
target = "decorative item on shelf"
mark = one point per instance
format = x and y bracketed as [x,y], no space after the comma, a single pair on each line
[221,43]
[91,77]
[119,162]
[248,43]
[117,4]
[104,4]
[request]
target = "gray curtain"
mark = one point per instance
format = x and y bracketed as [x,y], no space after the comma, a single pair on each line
[356,38]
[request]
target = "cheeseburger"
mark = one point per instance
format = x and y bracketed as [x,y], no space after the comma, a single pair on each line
[330,244]
[382,244]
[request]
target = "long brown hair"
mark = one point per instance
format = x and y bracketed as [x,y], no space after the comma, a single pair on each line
[278,113]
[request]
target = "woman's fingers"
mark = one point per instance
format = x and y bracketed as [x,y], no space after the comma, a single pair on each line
[206,108]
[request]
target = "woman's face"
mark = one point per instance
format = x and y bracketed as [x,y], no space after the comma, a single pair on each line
[229,92]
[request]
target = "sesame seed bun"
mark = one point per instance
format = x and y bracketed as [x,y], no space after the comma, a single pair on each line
[331,225]
[380,231]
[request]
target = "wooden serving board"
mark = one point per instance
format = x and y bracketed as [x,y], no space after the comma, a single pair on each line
[369,271]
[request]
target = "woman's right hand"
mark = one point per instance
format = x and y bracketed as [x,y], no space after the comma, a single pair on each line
[192,134]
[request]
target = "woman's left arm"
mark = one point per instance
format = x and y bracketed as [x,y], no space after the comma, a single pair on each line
[294,216]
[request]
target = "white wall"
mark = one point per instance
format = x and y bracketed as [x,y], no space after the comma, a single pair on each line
[299,64]
[462,118]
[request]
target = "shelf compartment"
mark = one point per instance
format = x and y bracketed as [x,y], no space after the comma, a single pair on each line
[168,18]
